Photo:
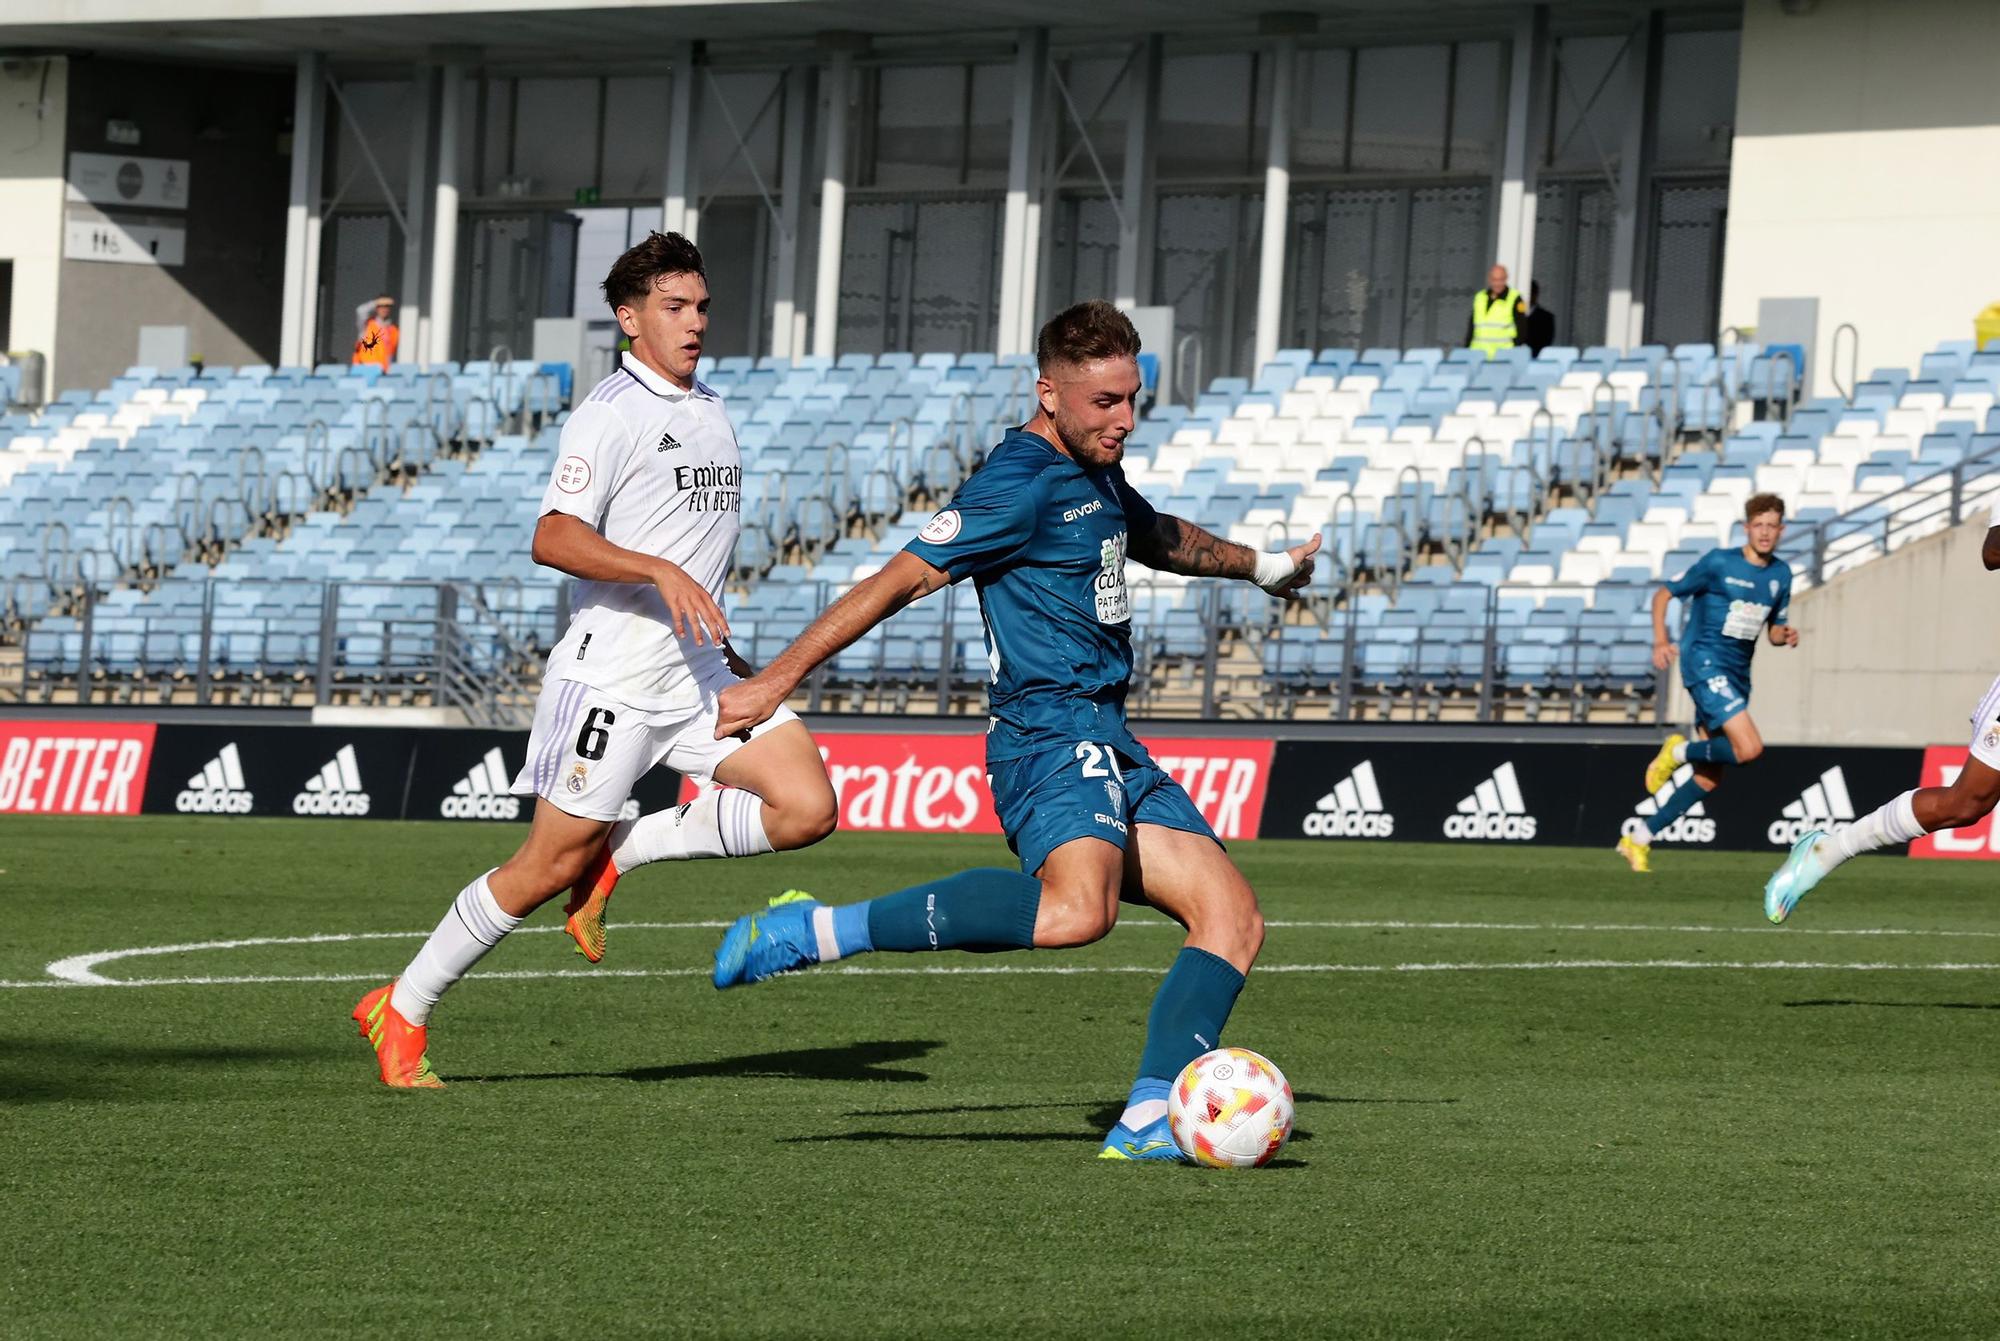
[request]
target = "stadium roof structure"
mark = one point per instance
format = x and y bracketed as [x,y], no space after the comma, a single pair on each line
[623,31]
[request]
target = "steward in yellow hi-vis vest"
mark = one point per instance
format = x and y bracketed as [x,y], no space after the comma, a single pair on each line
[1494,310]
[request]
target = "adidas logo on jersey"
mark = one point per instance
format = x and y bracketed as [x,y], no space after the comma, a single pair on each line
[218,789]
[1495,810]
[1693,827]
[1825,805]
[669,443]
[1353,809]
[482,794]
[335,789]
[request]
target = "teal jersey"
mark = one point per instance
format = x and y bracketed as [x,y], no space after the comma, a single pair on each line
[1729,602]
[1044,540]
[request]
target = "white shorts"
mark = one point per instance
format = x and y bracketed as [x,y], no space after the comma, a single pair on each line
[1986,728]
[588,749]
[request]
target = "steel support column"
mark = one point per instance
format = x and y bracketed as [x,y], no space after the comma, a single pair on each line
[296,342]
[838,80]
[1277,204]
[1020,238]
[1527,114]
[444,212]
[1625,307]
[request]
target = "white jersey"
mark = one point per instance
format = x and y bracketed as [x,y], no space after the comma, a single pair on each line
[653,469]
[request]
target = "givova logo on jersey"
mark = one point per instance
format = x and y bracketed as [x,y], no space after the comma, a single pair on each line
[1693,827]
[335,790]
[1353,809]
[483,793]
[1495,812]
[1825,806]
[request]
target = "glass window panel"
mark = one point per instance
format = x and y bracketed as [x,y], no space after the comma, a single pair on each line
[1319,134]
[1100,97]
[1582,64]
[1475,107]
[555,139]
[988,138]
[1399,99]
[1207,117]
[1697,98]
[919,125]
[747,94]
[635,136]
[385,111]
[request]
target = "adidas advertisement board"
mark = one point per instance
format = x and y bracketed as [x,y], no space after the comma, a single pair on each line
[469,775]
[1441,789]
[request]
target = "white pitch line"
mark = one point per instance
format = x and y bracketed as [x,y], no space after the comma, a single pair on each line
[1069,970]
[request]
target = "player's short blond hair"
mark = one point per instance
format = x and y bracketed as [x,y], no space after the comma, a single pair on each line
[1085,333]
[1759,504]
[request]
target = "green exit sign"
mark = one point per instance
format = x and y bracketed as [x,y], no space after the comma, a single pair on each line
[586,195]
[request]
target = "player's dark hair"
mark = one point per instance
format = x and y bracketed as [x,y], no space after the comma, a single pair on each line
[633,275]
[1760,504]
[1082,334]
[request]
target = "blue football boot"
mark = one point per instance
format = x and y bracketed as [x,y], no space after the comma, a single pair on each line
[1155,1140]
[773,940]
[1795,879]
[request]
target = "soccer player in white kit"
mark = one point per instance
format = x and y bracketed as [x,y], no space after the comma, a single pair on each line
[1971,796]
[643,507]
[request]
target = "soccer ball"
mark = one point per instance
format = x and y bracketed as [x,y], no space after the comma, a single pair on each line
[1230,1109]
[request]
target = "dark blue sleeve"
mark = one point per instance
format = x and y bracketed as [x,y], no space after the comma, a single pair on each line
[989,522]
[1781,609]
[1140,518]
[1695,580]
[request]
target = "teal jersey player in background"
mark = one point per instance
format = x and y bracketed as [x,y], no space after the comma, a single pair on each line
[1043,529]
[1733,597]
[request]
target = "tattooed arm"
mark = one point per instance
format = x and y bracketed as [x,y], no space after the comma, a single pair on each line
[1171,545]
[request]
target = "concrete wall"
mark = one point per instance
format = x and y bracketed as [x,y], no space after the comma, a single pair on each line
[232,127]
[1867,170]
[34,97]
[1897,652]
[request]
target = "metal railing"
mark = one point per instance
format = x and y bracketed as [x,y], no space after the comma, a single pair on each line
[1918,508]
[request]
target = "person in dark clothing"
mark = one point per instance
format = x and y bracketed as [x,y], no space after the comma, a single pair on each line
[1538,324]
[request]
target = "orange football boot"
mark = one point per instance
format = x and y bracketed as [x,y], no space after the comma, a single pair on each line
[399,1045]
[585,922]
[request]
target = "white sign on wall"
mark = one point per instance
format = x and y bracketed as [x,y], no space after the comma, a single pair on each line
[124,243]
[122,179]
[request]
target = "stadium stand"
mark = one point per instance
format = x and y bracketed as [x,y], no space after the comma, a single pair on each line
[1493,529]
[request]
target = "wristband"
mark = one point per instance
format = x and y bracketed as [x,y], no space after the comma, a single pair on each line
[1273,571]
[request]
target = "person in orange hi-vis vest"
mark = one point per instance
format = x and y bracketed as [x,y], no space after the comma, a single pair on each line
[378,336]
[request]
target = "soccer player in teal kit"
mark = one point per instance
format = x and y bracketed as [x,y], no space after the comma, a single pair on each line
[1734,597]
[1043,529]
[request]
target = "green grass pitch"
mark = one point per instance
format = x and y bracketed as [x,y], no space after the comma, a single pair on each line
[1599,1111]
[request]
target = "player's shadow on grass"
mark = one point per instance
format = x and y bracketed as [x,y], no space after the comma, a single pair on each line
[851,1061]
[1900,1005]
[39,1071]
[1095,1119]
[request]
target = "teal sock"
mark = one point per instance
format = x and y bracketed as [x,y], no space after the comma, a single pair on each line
[1714,750]
[1188,1013]
[982,910]
[1684,798]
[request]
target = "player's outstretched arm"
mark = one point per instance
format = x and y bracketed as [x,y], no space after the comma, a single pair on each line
[905,578]
[1663,646]
[573,546]
[1989,552]
[1174,545]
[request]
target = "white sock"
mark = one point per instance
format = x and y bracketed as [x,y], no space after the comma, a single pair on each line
[1893,823]
[724,823]
[473,926]
[1680,752]
[1146,1110]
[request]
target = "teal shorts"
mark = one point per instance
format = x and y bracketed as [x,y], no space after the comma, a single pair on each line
[1085,790]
